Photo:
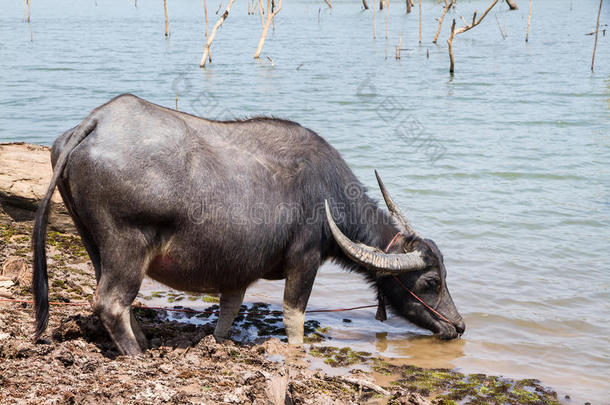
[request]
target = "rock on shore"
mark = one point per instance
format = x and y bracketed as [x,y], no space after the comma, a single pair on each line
[25,174]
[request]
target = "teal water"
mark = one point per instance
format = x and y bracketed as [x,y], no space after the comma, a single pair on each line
[505,164]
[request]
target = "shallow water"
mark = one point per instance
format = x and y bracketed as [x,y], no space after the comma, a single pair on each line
[505,164]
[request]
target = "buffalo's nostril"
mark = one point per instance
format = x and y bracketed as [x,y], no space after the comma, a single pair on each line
[460,327]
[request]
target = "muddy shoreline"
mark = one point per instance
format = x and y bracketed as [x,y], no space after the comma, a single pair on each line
[75,361]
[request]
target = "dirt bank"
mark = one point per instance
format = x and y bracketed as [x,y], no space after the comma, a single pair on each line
[25,173]
[75,362]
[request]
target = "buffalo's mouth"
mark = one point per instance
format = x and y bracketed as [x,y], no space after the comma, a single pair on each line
[448,331]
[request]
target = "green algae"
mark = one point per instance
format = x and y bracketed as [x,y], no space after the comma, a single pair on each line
[68,244]
[444,386]
[7,231]
[451,387]
[339,357]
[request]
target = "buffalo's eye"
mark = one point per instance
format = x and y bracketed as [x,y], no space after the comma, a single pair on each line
[432,284]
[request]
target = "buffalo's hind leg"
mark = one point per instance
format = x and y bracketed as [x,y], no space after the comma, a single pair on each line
[121,277]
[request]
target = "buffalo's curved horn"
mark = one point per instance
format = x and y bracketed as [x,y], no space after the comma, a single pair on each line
[394,210]
[374,258]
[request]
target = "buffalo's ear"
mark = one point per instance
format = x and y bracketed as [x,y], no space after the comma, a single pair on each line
[381,314]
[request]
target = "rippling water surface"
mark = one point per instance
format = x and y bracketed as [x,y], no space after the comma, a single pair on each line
[505,164]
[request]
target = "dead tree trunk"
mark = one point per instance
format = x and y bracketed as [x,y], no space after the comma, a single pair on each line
[465,28]
[596,33]
[205,13]
[261,12]
[448,5]
[529,18]
[166,18]
[223,17]
[450,44]
[365,5]
[375,20]
[512,5]
[270,16]
[387,19]
[27,17]
[408,6]
[420,21]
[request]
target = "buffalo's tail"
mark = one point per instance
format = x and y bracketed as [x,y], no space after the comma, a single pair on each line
[40,282]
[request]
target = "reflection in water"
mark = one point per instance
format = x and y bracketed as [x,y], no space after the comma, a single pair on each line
[382,341]
[422,351]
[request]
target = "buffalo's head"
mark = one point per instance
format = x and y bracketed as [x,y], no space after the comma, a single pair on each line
[410,275]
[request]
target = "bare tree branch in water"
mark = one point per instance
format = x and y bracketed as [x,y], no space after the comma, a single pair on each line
[529,18]
[261,12]
[27,17]
[365,5]
[512,5]
[420,21]
[408,6]
[330,5]
[448,5]
[387,19]
[208,43]
[465,28]
[166,18]
[596,33]
[270,16]
[205,12]
[375,20]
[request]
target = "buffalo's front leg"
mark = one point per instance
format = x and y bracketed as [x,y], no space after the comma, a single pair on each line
[229,307]
[297,289]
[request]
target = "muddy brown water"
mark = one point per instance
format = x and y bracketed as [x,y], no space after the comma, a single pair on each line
[505,165]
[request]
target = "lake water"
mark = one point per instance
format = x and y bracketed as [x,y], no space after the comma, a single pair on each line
[505,164]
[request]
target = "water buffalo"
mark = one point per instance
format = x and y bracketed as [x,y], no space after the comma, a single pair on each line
[202,205]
